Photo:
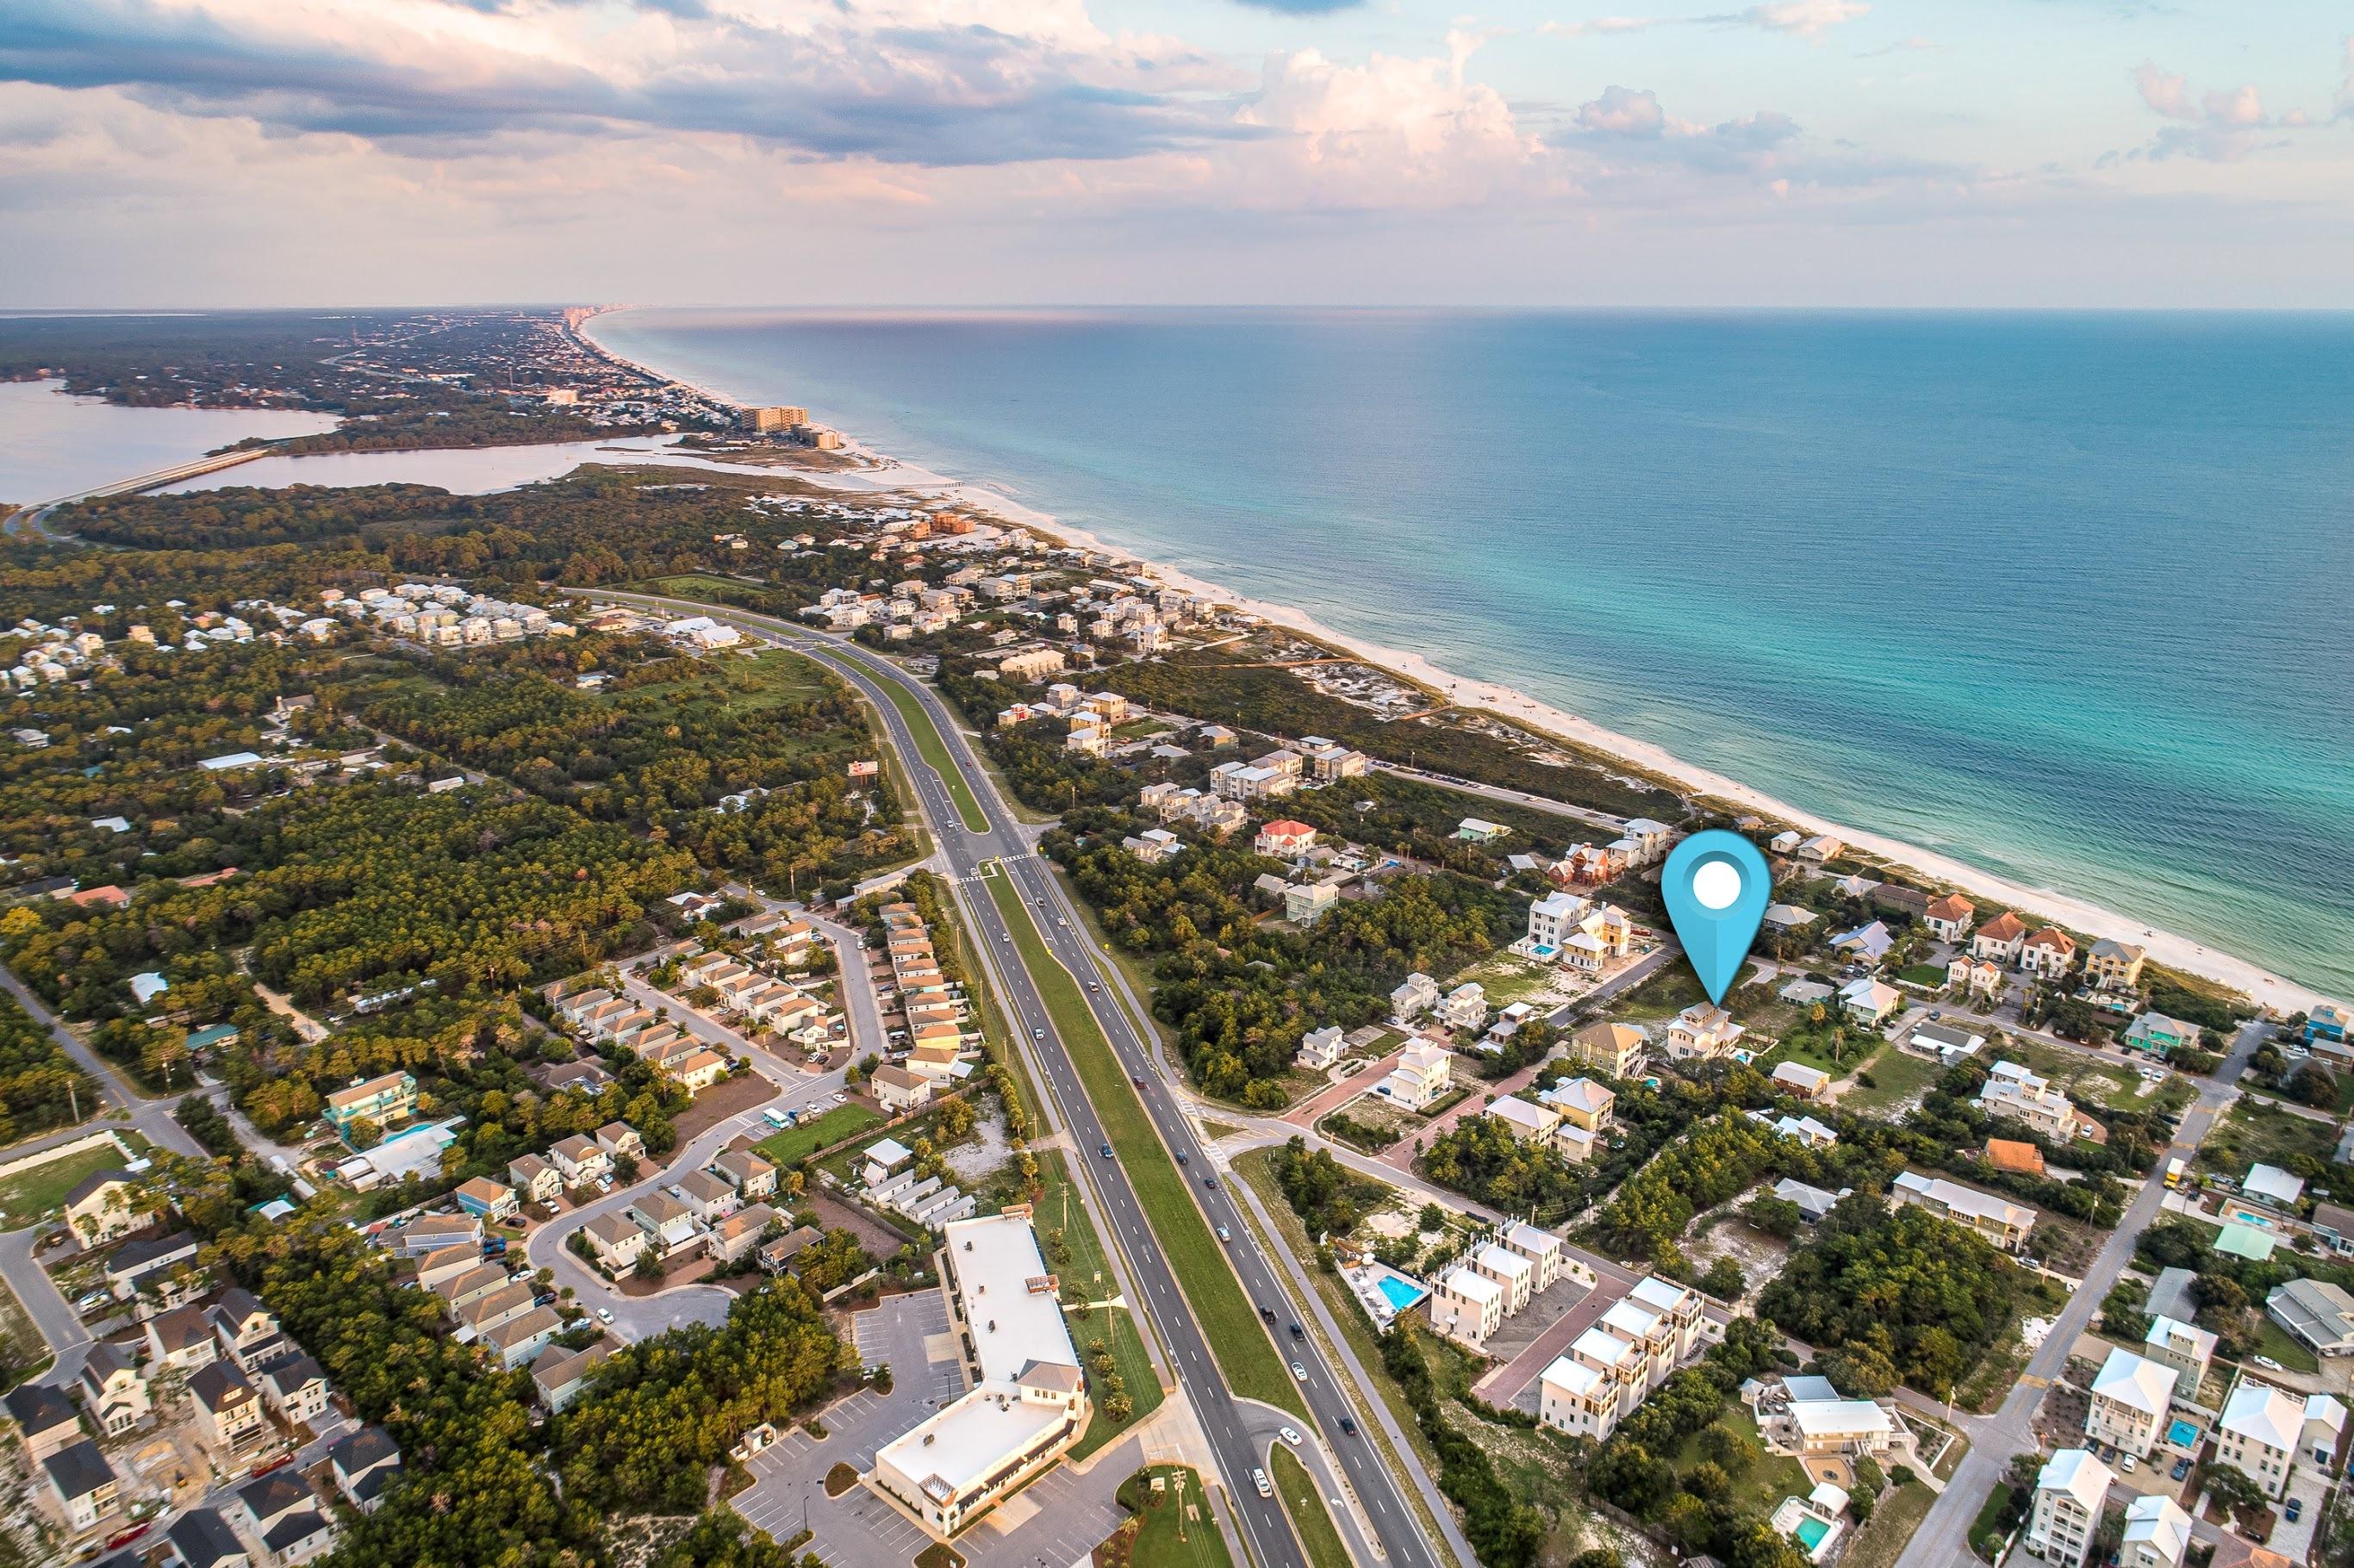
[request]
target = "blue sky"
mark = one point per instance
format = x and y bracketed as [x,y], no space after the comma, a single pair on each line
[1791,152]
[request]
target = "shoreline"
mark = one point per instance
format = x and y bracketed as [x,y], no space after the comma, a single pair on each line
[2268,991]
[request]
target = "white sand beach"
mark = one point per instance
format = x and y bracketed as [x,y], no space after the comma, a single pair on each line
[2266,989]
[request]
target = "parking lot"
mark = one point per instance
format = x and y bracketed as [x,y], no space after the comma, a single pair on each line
[1057,1519]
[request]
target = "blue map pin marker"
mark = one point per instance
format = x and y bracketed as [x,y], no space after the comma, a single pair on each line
[1717,885]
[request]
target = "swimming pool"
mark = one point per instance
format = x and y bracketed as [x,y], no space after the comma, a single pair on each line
[1810,1531]
[1401,1293]
[2183,1435]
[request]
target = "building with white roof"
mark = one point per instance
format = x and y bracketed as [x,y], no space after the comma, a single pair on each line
[1514,1274]
[2010,1090]
[1533,1125]
[2001,1222]
[1541,1248]
[1029,1400]
[2185,1347]
[2325,1422]
[1574,1397]
[1679,1305]
[1467,1306]
[2273,1185]
[2259,1433]
[2316,1313]
[1422,1074]
[2070,1496]
[2157,1533]
[2130,1396]
[1841,1427]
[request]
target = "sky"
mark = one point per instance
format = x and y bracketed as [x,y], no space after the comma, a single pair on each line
[1802,153]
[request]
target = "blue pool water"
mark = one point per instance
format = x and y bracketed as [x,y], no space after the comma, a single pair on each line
[2182,1435]
[2059,595]
[1810,1533]
[1401,1293]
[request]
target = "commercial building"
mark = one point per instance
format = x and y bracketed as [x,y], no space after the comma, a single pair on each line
[1029,1402]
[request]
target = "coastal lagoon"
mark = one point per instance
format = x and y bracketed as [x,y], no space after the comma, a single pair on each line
[461,471]
[2059,596]
[52,444]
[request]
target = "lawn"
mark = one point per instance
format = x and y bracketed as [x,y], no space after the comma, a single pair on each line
[1309,1516]
[1765,1481]
[1983,1531]
[2276,1341]
[1134,1364]
[1899,1512]
[1077,1254]
[1172,1529]
[935,752]
[1896,1076]
[1247,1357]
[1930,975]
[32,1192]
[1255,1169]
[789,1146]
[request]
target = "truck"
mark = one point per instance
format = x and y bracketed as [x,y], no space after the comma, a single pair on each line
[2176,1169]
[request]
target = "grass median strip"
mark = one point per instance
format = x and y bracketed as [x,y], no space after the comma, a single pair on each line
[935,752]
[1245,1353]
[1309,1517]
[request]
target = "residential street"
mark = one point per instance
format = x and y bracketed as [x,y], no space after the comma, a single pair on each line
[152,1118]
[1943,1539]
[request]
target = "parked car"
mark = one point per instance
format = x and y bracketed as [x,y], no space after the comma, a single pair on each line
[2181,1470]
[2267,1363]
[2296,1508]
[604,1314]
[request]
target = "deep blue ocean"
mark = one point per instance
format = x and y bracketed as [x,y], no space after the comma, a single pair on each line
[2064,596]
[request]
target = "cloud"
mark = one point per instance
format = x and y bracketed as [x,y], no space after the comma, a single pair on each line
[1391,132]
[930,82]
[1622,111]
[1302,7]
[1916,44]
[2221,127]
[1808,20]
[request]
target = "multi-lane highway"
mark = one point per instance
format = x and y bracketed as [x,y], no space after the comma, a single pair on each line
[966,853]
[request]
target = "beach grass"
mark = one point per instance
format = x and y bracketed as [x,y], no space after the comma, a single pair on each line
[1253,1368]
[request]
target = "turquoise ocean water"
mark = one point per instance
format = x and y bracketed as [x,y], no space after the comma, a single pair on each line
[2065,597]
